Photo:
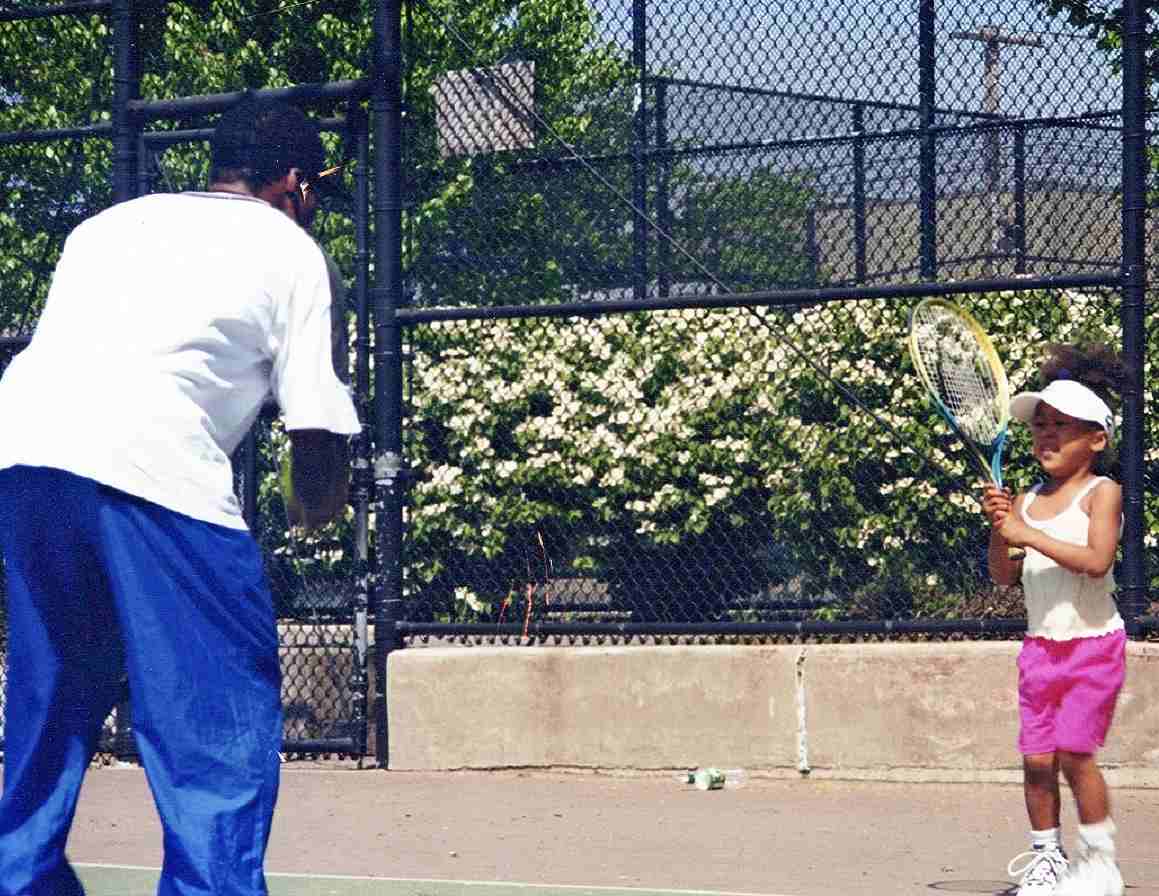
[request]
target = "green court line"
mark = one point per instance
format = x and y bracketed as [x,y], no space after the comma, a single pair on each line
[127,880]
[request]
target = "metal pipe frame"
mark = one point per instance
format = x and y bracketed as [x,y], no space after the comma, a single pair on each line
[389,462]
[1133,597]
[78,8]
[839,139]
[928,252]
[345,745]
[385,474]
[126,84]
[192,135]
[362,474]
[639,151]
[1020,201]
[101,131]
[209,103]
[763,299]
[538,630]
[860,226]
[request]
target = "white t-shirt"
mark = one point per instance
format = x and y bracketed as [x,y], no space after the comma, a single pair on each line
[169,321]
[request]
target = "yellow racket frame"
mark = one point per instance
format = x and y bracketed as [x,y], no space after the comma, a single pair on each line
[992,467]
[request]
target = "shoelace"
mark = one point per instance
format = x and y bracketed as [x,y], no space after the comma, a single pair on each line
[1039,863]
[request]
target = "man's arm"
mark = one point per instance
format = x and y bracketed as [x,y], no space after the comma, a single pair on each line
[320,475]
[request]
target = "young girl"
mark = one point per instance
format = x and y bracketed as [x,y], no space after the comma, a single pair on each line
[1071,665]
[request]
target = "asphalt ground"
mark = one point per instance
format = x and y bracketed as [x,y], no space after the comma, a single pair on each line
[352,832]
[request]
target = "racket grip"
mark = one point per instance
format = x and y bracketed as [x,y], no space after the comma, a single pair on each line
[1015,553]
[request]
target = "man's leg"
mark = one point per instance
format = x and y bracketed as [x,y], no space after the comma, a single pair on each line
[202,656]
[64,667]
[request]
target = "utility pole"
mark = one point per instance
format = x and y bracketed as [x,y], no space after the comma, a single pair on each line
[994,37]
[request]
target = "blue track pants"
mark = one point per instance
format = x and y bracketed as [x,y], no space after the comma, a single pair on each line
[102,585]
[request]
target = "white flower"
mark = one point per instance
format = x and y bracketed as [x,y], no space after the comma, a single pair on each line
[468,597]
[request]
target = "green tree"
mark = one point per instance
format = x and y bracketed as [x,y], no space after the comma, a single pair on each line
[544,236]
[1104,21]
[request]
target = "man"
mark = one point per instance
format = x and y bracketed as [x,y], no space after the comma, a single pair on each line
[169,320]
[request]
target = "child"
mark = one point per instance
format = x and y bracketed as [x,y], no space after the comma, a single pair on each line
[1071,665]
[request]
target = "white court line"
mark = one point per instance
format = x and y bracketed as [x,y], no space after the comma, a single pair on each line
[459,883]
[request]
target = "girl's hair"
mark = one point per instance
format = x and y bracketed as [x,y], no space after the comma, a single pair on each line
[1098,367]
[1094,364]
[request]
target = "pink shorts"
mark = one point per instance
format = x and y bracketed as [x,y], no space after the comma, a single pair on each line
[1067,692]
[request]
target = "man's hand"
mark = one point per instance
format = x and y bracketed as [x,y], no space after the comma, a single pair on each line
[318,477]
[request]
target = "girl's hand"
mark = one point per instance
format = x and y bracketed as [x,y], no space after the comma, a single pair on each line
[996,504]
[1014,531]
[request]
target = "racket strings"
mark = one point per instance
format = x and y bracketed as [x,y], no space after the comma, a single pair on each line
[959,373]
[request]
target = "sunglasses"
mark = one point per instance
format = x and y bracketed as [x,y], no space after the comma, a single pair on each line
[317,183]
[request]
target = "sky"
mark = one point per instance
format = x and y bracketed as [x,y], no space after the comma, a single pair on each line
[868,49]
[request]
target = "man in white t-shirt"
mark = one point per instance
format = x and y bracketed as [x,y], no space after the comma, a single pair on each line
[169,321]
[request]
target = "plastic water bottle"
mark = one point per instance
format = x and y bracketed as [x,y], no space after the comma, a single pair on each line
[715,778]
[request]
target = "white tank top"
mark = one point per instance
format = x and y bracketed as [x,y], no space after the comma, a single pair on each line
[1060,604]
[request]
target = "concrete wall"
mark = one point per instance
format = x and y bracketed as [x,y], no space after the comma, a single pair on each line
[942,711]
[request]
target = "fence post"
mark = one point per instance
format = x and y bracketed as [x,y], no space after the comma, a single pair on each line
[928,150]
[144,176]
[812,250]
[389,464]
[362,484]
[640,151]
[126,83]
[663,201]
[1020,199]
[126,86]
[1133,591]
[860,230]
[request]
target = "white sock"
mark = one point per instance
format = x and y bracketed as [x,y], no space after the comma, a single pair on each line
[1099,836]
[1051,838]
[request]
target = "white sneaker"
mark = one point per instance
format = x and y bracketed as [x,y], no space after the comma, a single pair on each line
[1094,873]
[1041,870]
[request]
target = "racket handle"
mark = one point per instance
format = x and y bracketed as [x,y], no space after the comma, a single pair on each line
[1015,553]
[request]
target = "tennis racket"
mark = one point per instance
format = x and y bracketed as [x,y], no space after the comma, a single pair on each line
[964,376]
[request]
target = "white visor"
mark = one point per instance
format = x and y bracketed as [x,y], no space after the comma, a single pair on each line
[1071,398]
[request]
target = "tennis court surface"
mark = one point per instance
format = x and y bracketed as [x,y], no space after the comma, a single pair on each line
[346,832]
[104,880]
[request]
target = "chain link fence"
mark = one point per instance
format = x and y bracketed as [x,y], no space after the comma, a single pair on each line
[714,462]
[709,466]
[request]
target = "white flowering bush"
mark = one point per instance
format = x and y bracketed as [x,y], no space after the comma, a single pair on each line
[691,462]
[692,459]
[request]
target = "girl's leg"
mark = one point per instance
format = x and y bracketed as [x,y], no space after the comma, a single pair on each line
[64,667]
[1040,784]
[1087,784]
[202,656]
[1095,670]
[1095,871]
[1036,733]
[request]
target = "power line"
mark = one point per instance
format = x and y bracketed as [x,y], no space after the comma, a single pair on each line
[270,12]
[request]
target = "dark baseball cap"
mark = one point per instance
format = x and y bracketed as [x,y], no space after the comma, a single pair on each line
[268,139]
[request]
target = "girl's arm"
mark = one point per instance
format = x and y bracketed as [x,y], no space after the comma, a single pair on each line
[997,505]
[1098,556]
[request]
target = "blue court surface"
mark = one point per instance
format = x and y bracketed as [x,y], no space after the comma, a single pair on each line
[130,880]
